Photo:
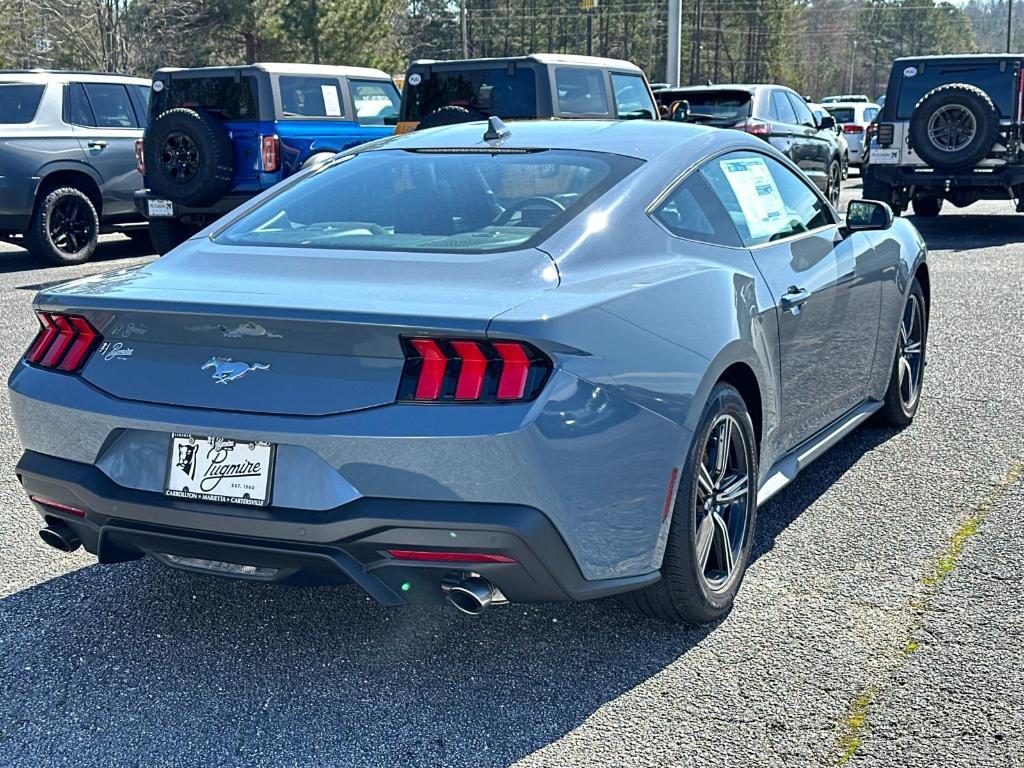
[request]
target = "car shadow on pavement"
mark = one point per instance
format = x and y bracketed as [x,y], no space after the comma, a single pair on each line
[961,231]
[109,249]
[109,665]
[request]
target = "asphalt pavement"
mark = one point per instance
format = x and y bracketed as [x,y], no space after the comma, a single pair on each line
[880,622]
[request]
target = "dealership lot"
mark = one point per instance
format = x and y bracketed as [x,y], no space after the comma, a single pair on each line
[860,624]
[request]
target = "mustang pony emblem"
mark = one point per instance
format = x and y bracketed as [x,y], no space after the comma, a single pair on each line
[225,369]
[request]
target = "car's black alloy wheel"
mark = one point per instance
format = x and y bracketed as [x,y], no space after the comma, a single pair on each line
[712,520]
[179,157]
[927,206]
[835,182]
[64,228]
[903,395]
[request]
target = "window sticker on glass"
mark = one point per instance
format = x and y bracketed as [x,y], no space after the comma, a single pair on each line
[332,107]
[758,196]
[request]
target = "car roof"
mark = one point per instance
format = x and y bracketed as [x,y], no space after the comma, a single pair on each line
[540,58]
[641,139]
[43,76]
[848,104]
[961,57]
[276,68]
[749,87]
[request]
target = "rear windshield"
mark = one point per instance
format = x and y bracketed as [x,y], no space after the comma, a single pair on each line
[716,106]
[484,92]
[843,114]
[402,200]
[19,102]
[225,96]
[917,80]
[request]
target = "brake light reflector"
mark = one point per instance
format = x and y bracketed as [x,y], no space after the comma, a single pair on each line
[271,156]
[754,126]
[448,557]
[64,342]
[140,159]
[851,128]
[58,506]
[471,371]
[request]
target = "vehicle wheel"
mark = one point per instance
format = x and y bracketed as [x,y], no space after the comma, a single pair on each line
[713,518]
[954,126]
[904,392]
[449,115]
[189,156]
[873,189]
[927,206]
[846,167]
[168,234]
[835,183]
[64,227]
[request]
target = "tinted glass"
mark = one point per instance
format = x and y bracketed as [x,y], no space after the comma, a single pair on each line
[716,107]
[111,106]
[870,113]
[78,110]
[843,114]
[782,109]
[396,200]
[581,91]
[485,92]
[19,102]
[376,102]
[224,96]
[1000,86]
[765,200]
[693,211]
[631,97]
[803,112]
[310,97]
[142,92]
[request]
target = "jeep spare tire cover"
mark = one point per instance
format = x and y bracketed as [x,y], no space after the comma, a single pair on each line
[450,115]
[954,126]
[189,157]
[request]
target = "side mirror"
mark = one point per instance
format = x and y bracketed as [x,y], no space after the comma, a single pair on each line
[864,215]
[827,123]
[663,112]
[680,111]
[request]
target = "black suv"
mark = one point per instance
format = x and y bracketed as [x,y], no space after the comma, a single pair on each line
[777,114]
[950,129]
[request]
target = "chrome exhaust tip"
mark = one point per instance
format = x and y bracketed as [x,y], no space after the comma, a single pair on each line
[472,594]
[59,535]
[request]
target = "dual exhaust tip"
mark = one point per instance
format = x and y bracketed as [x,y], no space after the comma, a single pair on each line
[471,594]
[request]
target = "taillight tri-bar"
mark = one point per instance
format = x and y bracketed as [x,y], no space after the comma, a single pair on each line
[64,342]
[471,371]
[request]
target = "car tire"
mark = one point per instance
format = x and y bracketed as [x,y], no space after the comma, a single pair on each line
[834,187]
[64,228]
[695,586]
[927,206]
[168,234]
[873,189]
[846,167]
[903,395]
[189,156]
[954,126]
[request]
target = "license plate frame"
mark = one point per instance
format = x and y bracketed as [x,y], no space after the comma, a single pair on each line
[883,156]
[160,209]
[191,458]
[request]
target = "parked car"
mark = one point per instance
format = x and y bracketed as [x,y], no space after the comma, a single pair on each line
[538,86]
[67,159]
[951,131]
[835,133]
[549,360]
[777,114]
[218,136]
[849,97]
[853,118]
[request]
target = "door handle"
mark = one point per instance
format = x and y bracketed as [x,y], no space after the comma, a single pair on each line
[793,298]
[96,144]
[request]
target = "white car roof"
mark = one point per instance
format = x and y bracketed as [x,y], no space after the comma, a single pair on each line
[548,58]
[278,68]
[44,76]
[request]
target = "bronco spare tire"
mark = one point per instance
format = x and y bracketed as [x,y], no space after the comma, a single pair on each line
[189,157]
[954,126]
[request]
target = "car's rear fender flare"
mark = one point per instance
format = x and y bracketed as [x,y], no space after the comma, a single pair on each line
[66,173]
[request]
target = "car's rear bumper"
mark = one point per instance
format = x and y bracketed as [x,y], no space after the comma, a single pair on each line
[1000,180]
[331,546]
[208,213]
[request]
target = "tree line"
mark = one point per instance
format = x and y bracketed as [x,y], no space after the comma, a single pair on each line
[815,47]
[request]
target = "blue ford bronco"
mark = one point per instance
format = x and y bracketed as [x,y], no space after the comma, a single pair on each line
[217,136]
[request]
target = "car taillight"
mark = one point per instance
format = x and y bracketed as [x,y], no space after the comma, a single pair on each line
[271,156]
[430,556]
[754,126]
[851,128]
[471,371]
[64,342]
[886,133]
[140,160]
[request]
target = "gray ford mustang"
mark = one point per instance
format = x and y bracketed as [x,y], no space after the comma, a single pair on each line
[478,364]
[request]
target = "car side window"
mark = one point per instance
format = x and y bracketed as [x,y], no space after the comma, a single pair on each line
[142,102]
[803,112]
[765,200]
[375,102]
[77,109]
[111,105]
[870,114]
[310,97]
[782,108]
[581,91]
[694,212]
[632,99]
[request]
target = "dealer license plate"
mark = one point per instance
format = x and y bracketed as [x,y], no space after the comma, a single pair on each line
[221,470]
[158,208]
[884,156]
